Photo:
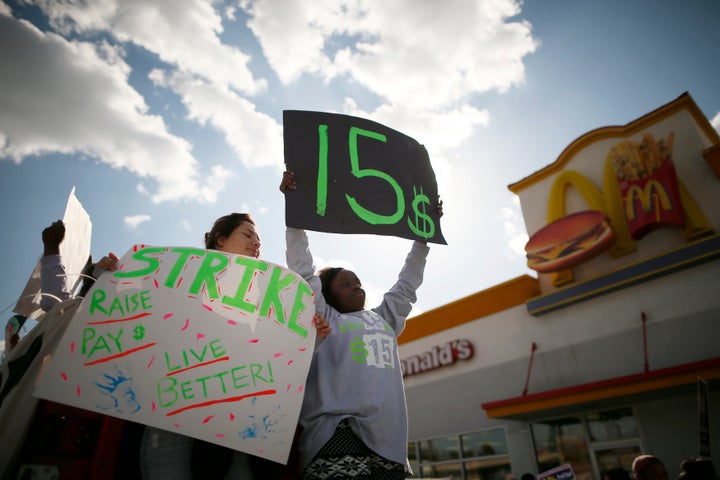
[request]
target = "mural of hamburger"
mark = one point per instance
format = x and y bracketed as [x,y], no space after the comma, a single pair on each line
[569,240]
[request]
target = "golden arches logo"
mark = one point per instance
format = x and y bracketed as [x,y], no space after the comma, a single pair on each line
[618,203]
[648,201]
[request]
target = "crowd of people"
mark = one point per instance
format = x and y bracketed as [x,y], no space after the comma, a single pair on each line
[353,422]
[649,467]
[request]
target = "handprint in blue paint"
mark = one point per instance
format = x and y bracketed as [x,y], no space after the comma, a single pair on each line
[262,427]
[119,390]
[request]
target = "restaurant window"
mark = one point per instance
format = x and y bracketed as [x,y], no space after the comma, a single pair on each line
[591,443]
[481,455]
[612,425]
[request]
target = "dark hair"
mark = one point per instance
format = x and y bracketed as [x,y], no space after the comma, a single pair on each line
[697,468]
[326,277]
[644,461]
[224,226]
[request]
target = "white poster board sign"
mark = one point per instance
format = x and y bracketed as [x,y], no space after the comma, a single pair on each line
[74,252]
[204,343]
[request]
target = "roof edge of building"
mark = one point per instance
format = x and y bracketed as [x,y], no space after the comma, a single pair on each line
[495,299]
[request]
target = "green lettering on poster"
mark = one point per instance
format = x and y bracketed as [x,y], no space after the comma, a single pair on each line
[322,178]
[140,255]
[238,300]
[362,212]
[428,226]
[213,263]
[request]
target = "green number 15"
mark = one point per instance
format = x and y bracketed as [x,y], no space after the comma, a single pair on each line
[322,179]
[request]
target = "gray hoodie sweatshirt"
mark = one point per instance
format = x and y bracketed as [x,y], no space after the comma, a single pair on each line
[355,372]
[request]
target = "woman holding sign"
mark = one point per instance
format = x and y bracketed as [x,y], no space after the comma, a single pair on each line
[354,416]
[168,455]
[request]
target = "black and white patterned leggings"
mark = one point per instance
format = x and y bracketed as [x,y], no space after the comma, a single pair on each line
[345,456]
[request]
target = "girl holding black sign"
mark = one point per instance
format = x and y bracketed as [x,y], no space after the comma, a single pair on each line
[354,415]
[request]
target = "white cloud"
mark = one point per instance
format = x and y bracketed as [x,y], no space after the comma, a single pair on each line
[514,229]
[716,122]
[439,130]
[254,136]
[424,61]
[133,221]
[73,97]
[435,53]
[292,35]
[184,33]
[230,12]
[5,9]
[215,181]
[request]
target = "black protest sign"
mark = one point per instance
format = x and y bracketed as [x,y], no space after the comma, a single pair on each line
[358,176]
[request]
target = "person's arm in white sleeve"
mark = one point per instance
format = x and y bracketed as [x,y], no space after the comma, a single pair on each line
[53,281]
[300,261]
[397,302]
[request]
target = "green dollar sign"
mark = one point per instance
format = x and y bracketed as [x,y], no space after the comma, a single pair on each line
[428,226]
[358,346]
[139,332]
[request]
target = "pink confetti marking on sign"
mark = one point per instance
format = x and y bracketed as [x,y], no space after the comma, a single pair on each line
[152,406]
[278,355]
[77,390]
[72,347]
[254,340]
[232,416]
[168,315]
[199,336]
[300,388]
[207,419]
[207,307]
[290,362]
[187,324]
[232,322]
[176,425]
[220,435]
[302,349]
[63,375]
[179,282]
[288,387]
[157,285]
[151,361]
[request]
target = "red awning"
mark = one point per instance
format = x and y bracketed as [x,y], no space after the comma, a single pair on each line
[614,387]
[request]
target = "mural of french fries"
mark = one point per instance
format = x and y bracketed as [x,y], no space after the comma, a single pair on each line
[635,161]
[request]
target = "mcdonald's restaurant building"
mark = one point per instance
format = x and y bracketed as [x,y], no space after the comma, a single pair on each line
[613,348]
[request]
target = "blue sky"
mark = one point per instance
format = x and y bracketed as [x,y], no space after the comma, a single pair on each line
[167,114]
